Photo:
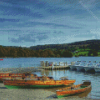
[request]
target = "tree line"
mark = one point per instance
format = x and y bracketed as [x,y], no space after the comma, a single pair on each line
[53,50]
[27,52]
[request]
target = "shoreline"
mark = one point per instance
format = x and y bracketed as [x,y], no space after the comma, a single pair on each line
[32,94]
[20,70]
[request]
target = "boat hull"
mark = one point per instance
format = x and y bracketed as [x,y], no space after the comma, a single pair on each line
[69,91]
[11,75]
[36,84]
[89,69]
[97,69]
[80,68]
[31,86]
[72,67]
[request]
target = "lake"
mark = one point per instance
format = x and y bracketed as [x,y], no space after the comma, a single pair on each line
[56,74]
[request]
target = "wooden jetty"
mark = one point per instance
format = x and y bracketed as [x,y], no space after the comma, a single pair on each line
[52,66]
[55,67]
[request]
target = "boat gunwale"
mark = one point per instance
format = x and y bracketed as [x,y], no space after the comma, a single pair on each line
[69,88]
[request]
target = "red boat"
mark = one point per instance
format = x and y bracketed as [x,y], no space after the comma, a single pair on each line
[1,59]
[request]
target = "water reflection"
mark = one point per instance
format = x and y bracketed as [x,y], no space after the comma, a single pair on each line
[56,74]
[78,76]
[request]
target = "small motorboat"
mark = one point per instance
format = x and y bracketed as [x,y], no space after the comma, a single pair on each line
[74,89]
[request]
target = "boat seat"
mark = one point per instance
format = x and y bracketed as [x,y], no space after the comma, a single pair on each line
[83,86]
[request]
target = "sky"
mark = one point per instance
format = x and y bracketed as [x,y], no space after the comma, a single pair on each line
[28,23]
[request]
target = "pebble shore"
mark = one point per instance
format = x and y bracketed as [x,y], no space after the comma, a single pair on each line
[19,70]
[29,94]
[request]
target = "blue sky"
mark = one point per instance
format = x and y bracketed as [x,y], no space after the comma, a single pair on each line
[39,22]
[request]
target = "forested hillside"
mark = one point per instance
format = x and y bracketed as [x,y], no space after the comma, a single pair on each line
[82,48]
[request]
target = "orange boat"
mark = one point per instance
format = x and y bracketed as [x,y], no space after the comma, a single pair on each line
[37,82]
[75,89]
[12,75]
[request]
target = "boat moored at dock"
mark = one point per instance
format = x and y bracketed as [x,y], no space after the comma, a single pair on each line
[77,66]
[89,67]
[97,68]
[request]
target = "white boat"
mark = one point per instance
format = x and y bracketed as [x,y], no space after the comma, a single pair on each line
[73,65]
[89,67]
[79,66]
[97,68]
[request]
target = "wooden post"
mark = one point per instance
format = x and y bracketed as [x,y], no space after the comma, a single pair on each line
[66,64]
[72,63]
[56,64]
[52,63]
[59,63]
[42,64]
[46,64]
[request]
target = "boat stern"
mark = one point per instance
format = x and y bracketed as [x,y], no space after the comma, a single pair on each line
[69,82]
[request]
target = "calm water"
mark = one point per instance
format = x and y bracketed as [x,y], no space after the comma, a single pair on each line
[79,76]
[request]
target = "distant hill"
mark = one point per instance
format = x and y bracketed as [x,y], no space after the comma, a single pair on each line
[87,43]
[81,48]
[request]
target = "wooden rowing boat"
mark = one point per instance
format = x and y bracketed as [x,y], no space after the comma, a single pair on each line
[37,82]
[74,89]
[12,75]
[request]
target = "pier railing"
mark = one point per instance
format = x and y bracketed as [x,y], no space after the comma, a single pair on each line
[54,65]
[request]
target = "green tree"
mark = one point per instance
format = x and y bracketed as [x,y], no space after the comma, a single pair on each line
[95,53]
[2,52]
[90,52]
[67,53]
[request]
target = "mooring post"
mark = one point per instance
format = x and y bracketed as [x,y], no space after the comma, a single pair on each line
[52,65]
[55,63]
[72,63]
[64,64]
[46,64]
[42,64]
[59,63]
